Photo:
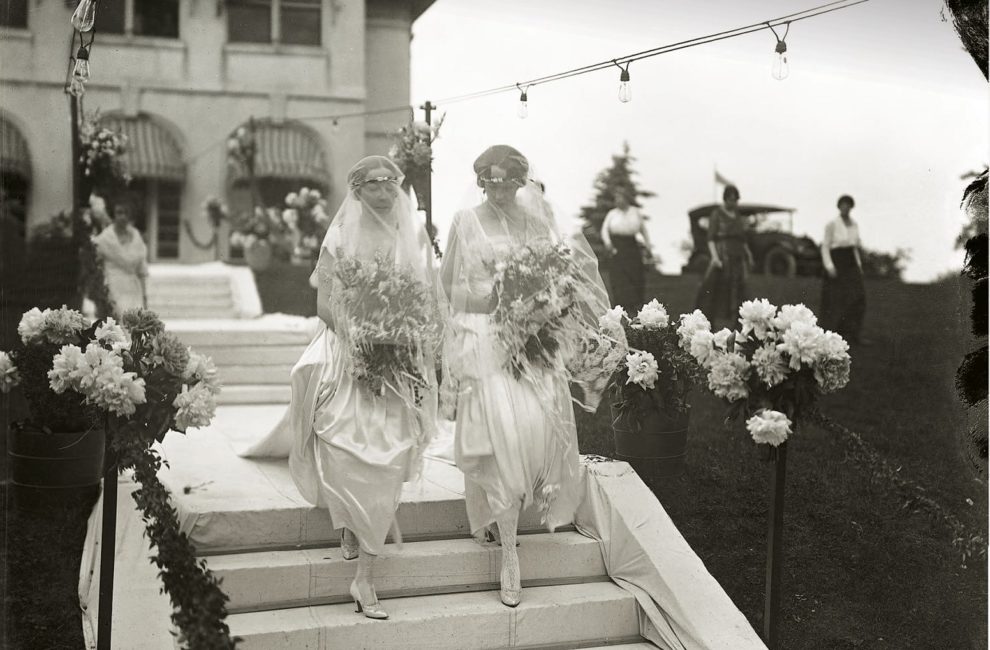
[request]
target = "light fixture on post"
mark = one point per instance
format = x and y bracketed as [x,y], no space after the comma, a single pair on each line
[523,110]
[80,69]
[780,68]
[84,17]
[625,90]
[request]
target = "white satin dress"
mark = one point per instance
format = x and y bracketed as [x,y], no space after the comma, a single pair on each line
[515,440]
[349,451]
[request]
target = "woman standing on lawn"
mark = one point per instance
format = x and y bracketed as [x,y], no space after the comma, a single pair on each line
[843,292]
[515,436]
[620,231]
[723,288]
[350,449]
[125,261]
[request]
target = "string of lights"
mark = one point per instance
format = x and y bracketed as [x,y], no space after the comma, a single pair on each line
[779,70]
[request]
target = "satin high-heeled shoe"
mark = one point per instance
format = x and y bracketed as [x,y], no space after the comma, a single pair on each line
[371,610]
[510,591]
[349,545]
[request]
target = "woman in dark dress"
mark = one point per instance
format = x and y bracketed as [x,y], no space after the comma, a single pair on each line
[621,232]
[843,292]
[723,288]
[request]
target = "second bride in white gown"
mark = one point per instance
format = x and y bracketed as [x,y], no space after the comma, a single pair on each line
[364,392]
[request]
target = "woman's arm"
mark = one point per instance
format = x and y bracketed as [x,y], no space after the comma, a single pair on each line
[606,236]
[827,251]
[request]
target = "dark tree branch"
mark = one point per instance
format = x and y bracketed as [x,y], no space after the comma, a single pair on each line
[969,17]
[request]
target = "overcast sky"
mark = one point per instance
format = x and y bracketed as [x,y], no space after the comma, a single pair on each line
[882,103]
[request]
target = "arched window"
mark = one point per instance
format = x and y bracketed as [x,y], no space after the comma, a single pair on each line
[15,172]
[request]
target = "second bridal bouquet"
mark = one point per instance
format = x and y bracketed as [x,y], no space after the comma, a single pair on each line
[536,298]
[772,369]
[392,327]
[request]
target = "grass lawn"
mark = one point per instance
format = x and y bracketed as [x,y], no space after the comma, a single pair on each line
[860,570]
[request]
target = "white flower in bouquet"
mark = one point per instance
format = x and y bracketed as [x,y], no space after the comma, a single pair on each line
[833,346]
[653,315]
[727,374]
[9,377]
[721,338]
[290,217]
[642,369]
[291,198]
[63,325]
[802,342]
[791,314]
[314,195]
[237,239]
[320,214]
[833,364]
[32,324]
[112,334]
[770,365]
[97,374]
[690,323]
[200,369]
[756,317]
[612,318]
[195,407]
[701,346]
[769,427]
[249,240]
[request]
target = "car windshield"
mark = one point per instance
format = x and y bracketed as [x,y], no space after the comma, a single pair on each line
[772,222]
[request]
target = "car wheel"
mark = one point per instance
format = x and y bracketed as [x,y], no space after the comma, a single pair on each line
[780,262]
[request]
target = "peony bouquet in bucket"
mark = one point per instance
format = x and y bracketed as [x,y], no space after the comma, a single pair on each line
[772,369]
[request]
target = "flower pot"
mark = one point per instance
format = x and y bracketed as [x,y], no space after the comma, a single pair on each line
[259,255]
[657,443]
[38,459]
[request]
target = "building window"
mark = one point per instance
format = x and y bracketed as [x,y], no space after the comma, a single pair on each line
[291,22]
[156,18]
[14,13]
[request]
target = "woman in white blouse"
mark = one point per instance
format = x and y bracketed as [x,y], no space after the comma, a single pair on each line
[843,291]
[619,231]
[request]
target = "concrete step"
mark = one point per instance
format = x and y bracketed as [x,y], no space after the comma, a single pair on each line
[216,332]
[255,355]
[191,301]
[253,393]
[565,616]
[199,281]
[169,290]
[257,375]
[278,579]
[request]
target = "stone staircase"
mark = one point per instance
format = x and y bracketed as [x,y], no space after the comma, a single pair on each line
[254,356]
[195,291]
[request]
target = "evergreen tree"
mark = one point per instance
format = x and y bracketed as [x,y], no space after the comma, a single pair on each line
[618,177]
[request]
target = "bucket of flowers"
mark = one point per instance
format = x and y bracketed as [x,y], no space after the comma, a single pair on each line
[307,220]
[130,382]
[261,234]
[650,409]
[772,369]
[412,151]
[102,157]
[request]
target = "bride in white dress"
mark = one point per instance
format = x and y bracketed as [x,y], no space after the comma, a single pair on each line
[515,435]
[350,447]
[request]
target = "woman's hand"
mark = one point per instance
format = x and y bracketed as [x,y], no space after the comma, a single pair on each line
[832,273]
[716,263]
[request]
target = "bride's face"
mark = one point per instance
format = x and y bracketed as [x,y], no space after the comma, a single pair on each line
[378,194]
[501,194]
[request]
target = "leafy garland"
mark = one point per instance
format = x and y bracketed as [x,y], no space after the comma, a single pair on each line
[915,497]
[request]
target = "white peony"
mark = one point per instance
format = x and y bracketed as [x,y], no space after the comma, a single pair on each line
[291,198]
[802,342]
[642,369]
[97,374]
[613,317]
[756,317]
[112,334]
[769,427]
[769,365]
[696,321]
[290,217]
[9,377]
[201,369]
[195,407]
[701,346]
[791,314]
[727,372]
[721,338]
[833,346]
[32,325]
[653,315]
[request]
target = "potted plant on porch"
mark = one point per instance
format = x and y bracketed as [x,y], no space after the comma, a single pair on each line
[650,410]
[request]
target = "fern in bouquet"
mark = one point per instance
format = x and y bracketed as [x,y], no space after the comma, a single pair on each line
[772,369]
[536,297]
[392,323]
[658,373]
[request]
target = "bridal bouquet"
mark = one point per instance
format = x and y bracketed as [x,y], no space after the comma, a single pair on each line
[134,373]
[307,219]
[536,296]
[389,321]
[102,154]
[658,373]
[773,368]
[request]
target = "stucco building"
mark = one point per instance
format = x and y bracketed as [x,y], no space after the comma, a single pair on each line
[179,76]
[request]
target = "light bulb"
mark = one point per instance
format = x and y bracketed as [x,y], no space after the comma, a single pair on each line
[780,68]
[625,90]
[523,111]
[84,17]
[80,70]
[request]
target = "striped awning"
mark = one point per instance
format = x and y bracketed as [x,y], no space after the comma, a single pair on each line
[152,152]
[15,159]
[286,151]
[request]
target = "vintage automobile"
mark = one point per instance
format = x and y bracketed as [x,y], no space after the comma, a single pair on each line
[776,250]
